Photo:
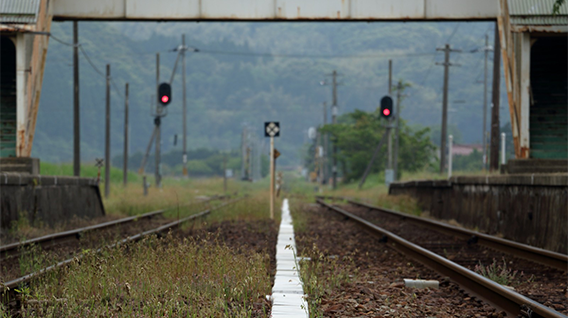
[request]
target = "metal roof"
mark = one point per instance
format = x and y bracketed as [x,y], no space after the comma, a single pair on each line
[19,11]
[537,12]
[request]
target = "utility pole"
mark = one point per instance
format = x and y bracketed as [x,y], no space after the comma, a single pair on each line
[397,128]
[225,173]
[243,154]
[157,122]
[325,146]
[125,162]
[76,117]
[184,106]
[446,65]
[334,121]
[390,77]
[494,151]
[107,133]
[486,49]
[450,156]
[389,137]
[147,153]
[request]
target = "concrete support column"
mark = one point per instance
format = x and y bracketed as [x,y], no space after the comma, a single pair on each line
[525,87]
[21,101]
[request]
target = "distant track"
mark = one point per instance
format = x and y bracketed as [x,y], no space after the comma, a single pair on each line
[503,298]
[7,289]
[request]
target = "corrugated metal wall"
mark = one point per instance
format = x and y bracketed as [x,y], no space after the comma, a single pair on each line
[7,98]
[549,110]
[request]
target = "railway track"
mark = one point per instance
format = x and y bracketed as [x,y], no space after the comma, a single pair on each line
[513,303]
[15,249]
[8,289]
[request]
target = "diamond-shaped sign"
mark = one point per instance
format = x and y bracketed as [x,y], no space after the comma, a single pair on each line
[272,129]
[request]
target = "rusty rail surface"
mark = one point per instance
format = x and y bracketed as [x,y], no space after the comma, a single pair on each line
[7,290]
[514,304]
[531,253]
[15,249]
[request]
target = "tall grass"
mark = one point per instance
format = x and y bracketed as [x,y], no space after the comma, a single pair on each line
[155,278]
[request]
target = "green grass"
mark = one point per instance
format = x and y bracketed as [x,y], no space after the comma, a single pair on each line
[87,171]
[154,278]
[159,277]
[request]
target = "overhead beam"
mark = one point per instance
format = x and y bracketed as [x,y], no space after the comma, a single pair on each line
[263,10]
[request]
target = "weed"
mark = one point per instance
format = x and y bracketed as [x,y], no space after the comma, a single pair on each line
[497,272]
[322,274]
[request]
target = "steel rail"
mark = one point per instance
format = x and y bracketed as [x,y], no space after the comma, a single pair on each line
[531,253]
[56,238]
[8,289]
[514,304]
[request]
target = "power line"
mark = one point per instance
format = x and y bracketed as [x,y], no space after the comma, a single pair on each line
[454,32]
[434,59]
[61,41]
[317,56]
[91,62]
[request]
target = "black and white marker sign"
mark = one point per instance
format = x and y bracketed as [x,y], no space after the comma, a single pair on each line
[272,129]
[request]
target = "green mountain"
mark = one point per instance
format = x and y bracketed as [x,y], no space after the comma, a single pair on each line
[248,73]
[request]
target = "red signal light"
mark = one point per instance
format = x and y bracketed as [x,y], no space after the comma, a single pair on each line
[386,107]
[164,94]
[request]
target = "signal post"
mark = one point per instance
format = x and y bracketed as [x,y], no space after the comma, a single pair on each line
[386,112]
[272,129]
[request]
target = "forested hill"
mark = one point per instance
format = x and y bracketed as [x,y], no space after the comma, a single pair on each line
[248,73]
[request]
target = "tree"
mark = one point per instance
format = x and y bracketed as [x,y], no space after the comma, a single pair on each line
[357,133]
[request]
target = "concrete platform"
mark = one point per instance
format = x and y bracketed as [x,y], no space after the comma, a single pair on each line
[47,199]
[527,208]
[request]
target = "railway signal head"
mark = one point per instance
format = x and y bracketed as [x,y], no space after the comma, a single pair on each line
[386,107]
[164,94]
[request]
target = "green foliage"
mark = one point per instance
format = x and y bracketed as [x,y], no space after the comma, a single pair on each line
[557,5]
[358,133]
[202,162]
[471,162]
[87,171]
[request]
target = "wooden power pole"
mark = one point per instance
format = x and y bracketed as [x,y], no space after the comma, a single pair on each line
[107,133]
[157,122]
[334,121]
[397,128]
[444,133]
[76,117]
[484,139]
[184,106]
[125,162]
[495,125]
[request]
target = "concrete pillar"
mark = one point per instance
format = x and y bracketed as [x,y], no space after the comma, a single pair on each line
[525,86]
[20,93]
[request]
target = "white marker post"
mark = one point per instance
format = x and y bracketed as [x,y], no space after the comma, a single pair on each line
[450,156]
[272,129]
